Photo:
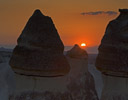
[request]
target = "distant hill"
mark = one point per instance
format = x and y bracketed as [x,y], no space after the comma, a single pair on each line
[90,50]
[5,49]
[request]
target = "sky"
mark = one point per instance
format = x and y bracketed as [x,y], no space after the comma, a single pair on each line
[77,21]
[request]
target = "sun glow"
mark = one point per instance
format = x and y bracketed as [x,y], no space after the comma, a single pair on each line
[83,45]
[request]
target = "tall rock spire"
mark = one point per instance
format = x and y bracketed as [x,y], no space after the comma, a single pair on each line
[39,50]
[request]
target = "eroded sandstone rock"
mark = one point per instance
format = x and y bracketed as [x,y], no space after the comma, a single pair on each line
[113,50]
[39,51]
[77,52]
[112,59]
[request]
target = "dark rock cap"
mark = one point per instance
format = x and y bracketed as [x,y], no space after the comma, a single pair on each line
[39,50]
[123,10]
[113,50]
[37,12]
[77,52]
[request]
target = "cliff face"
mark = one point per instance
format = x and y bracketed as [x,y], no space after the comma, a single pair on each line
[112,59]
[113,50]
[39,51]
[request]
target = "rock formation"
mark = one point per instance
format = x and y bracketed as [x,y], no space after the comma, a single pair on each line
[113,54]
[112,59]
[77,52]
[81,84]
[78,84]
[39,51]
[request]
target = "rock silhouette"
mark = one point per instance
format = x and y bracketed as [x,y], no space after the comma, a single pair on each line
[113,50]
[77,52]
[112,59]
[39,50]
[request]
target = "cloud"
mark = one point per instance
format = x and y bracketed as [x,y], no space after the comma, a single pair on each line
[99,13]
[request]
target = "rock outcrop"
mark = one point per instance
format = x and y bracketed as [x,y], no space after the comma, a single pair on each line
[77,52]
[81,84]
[113,51]
[78,84]
[39,51]
[112,59]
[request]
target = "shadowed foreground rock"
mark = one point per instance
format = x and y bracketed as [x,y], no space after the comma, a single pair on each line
[112,59]
[78,84]
[40,50]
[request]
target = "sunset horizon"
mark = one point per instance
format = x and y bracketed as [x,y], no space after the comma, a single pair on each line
[76,21]
[64,50]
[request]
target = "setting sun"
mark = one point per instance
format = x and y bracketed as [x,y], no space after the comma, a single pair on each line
[83,44]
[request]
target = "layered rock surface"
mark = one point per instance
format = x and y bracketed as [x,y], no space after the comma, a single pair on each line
[78,84]
[39,51]
[113,51]
[112,59]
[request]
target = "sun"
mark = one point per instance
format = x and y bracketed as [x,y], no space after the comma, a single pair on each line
[83,45]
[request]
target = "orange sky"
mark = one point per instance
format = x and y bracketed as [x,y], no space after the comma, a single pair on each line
[66,14]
